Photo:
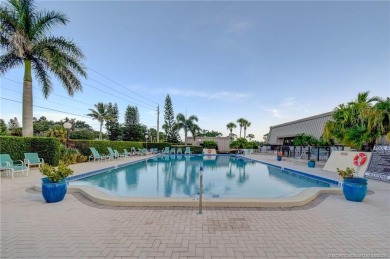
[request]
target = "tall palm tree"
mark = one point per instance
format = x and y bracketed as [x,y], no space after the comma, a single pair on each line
[25,38]
[230,126]
[101,114]
[185,123]
[247,124]
[241,122]
[194,129]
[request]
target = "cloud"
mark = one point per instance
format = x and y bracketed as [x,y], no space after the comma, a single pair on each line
[288,108]
[288,102]
[275,113]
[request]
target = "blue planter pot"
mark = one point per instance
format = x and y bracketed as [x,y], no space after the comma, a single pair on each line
[279,158]
[311,164]
[355,189]
[53,192]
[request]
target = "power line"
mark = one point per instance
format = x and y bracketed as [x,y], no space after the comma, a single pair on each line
[113,89]
[71,99]
[121,85]
[150,108]
[46,108]
[115,95]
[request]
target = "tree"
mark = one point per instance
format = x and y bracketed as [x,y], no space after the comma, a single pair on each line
[207,133]
[26,38]
[133,130]
[100,114]
[13,123]
[241,123]
[42,125]
[169,125]
[360,122]
[305,140]
[57,131]
[251,136]
[194,129]
[112,125]
[185,123]
[230,126]
[247,124]
[3,127]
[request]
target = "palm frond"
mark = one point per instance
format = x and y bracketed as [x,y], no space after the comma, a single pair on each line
[8,61]
[44,21]
[42,76]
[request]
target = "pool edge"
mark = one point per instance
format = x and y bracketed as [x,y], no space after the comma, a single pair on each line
[299,199]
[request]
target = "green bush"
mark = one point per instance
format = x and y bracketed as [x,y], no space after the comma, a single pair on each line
[47,148]
[210,144]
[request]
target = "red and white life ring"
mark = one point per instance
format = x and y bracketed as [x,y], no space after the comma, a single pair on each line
[209,151]
[359,159]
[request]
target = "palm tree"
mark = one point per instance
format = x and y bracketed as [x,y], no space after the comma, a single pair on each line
[101,114]
[230,126]
[251,136]
[194,129]
[359,122]
[241,123]
[247,124]
[185,123]
[26,38]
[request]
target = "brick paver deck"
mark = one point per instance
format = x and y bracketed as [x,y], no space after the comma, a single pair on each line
[77,228]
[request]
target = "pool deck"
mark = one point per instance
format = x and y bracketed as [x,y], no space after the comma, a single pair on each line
[330,226]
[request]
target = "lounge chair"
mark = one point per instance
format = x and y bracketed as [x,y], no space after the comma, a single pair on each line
[179,151]
[187,151]
[117,154]
[31,159]
[8,165]
[173,151]
[112,153]
[134,152]
[126,153]
[166,150]
[96,156]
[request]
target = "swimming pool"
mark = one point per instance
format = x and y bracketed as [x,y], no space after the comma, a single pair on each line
[178,176]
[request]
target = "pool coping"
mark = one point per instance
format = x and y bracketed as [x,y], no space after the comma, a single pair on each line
[300,199]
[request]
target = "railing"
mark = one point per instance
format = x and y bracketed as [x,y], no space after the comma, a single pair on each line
[304,152]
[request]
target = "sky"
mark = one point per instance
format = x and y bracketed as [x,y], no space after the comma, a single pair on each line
[267,62]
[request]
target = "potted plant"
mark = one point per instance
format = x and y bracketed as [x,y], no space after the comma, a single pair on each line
[354,188]
[311,163]
[54,185]
[279,155]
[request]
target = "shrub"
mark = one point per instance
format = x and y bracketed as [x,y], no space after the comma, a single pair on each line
[210,144]
[102,145]
[47,148]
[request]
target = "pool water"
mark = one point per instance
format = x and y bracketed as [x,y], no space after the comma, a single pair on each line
[178,176]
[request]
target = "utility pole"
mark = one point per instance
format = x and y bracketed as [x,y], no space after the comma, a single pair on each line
[158,123]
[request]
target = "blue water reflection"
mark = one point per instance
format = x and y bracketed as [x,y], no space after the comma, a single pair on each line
[178,176]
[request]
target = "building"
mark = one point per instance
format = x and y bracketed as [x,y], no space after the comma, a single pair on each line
[283,134]
[223,143]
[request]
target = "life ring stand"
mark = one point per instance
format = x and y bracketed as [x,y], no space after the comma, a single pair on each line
[359,159]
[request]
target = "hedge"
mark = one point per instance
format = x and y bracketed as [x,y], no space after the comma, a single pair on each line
[47,148]
[210,144]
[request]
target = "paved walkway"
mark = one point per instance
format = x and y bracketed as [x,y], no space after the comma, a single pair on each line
[328,227]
